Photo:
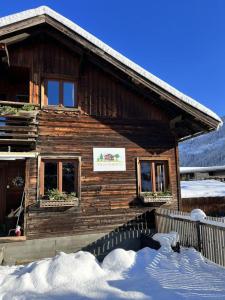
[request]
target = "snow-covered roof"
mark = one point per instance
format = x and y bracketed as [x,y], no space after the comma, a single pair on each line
[44,10]
[184,170]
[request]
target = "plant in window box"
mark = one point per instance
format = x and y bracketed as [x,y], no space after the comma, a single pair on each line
[55,198]
[71,196]
[55,195]
[8,110]
[148,197]
[27,109]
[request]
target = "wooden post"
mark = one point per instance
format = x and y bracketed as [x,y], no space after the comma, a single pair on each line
[199,236]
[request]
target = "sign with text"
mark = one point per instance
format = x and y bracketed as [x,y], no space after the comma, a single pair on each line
[109,159]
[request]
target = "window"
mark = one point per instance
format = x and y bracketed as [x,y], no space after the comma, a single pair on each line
[153,176]
[53,92]
[62,175]
[61,92]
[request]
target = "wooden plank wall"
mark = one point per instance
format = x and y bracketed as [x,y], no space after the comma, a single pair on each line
[51,222]
[108,199]
[77,135]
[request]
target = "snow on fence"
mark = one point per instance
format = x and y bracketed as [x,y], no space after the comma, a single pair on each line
[207,236]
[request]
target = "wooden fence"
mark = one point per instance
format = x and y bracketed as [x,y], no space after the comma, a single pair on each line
[208,236]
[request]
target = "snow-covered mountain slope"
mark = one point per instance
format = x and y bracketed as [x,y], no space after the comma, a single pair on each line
[205,150]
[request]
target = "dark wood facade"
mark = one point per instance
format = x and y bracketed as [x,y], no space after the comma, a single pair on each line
[113,110]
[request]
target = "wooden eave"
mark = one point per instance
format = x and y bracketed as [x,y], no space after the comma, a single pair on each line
[207,123]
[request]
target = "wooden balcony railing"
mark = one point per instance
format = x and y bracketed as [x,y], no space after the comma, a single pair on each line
[17,126]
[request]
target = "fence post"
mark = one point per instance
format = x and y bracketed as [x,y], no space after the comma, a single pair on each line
[198,236]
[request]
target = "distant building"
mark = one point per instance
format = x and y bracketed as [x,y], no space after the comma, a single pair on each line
[200,173]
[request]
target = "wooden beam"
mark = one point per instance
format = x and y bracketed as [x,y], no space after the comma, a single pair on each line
[15,39]
[16,103]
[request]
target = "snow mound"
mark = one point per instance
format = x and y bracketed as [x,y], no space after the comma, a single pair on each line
[167,240]
[64,271]
[197,215]
[119,260]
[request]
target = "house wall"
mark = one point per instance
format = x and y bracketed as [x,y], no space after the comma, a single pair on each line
[110,114]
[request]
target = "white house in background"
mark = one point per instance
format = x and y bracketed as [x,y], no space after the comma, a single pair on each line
[200,173]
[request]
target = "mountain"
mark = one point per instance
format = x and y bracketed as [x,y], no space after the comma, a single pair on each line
[205,150]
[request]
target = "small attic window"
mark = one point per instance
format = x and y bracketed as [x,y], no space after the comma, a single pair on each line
[61,92]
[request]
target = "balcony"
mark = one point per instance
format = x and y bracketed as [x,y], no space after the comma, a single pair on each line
[18,126]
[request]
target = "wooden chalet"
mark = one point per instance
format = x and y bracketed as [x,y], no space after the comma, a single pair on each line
[88,139]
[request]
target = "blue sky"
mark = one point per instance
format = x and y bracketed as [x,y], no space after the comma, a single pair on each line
[182,42]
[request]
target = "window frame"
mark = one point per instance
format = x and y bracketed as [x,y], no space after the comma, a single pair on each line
[153,160]
[61,82]
[59,160]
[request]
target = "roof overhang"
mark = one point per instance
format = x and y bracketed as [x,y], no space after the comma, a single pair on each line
[168,94]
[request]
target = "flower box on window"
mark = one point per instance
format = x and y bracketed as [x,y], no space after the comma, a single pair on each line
[156,197]
[59,203]
[54,198]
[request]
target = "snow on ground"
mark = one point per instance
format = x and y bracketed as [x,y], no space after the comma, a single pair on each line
[146,274]
[202,188]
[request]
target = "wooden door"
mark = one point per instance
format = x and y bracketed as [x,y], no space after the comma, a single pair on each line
[15,179]
[2,192]
[12,178]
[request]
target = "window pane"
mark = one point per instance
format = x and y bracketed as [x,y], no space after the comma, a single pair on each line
[146,182]
[50,176]
[68,94]
[68,177]
[160,175]
[53,92]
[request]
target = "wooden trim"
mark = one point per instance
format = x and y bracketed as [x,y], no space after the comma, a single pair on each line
[61,91]
[16,103]
[31,91]
[79,179]
[43,93]
[153,179]
[138,176]
[59,156]
[41,176]
[59,175]
[58,77]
